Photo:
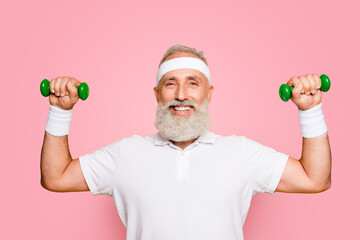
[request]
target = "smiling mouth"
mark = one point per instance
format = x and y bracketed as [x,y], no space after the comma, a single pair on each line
[181,109]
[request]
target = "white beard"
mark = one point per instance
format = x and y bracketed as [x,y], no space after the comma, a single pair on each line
[182,128]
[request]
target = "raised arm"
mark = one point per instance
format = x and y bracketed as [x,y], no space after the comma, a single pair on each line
[312,172]
[59,172]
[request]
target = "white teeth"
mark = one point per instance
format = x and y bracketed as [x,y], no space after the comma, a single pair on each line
[182,108]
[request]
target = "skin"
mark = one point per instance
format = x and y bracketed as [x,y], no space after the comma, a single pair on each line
[309,174]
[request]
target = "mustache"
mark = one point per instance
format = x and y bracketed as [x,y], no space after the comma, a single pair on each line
[186,102]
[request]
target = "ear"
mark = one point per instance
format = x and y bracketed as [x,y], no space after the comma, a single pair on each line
[157,94]
[210,92]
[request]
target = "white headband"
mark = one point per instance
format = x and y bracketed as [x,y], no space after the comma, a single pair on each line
[183,63]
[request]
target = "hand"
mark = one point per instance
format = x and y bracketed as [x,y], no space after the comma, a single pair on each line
[306,93]
[65,94]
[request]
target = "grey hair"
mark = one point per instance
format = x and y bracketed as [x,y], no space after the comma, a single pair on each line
[181,48]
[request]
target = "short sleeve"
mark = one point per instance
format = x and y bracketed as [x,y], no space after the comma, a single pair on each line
[266,166]
[99,168]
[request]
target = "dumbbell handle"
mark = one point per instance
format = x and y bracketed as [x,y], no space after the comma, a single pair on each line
[285,90]
[83,89]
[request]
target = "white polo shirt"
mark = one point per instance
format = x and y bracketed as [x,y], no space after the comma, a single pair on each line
[162,192]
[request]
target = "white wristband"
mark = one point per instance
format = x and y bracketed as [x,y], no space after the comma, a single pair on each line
[312,122]
[58,123]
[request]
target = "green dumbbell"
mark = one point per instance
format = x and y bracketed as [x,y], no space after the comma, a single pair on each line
[285,90]
[83,89]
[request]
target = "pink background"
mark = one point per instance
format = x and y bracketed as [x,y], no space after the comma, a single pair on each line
[252,47]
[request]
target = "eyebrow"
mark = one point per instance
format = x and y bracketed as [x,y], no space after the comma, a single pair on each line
[194,77]
[190,77]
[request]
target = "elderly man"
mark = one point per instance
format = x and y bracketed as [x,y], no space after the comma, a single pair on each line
[185,182]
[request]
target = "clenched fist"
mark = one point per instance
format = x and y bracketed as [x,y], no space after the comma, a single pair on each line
[65,94]
[306,93]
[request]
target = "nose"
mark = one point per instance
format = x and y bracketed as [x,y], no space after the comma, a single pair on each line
[181,93]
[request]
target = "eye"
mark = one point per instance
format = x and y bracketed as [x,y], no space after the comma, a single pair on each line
[169,84]
[194,83]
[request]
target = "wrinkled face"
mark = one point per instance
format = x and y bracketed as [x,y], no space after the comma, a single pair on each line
[183,84]
[183,96]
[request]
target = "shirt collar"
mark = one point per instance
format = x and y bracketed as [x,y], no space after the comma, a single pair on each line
[206,137]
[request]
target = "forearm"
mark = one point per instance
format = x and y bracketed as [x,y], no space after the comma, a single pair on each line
[316,161]
[55,157]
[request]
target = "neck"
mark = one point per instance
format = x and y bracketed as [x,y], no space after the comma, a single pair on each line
[183,145]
